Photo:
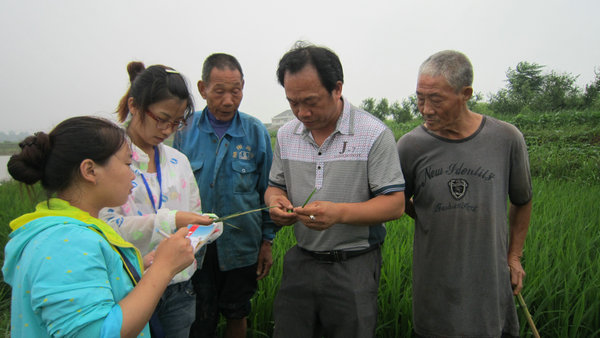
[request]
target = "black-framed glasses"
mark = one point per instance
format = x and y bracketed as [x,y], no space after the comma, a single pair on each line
[162,124]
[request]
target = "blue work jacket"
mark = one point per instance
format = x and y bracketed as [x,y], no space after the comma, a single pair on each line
[232,174]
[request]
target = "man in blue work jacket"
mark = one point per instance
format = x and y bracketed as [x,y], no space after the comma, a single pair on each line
[230,153]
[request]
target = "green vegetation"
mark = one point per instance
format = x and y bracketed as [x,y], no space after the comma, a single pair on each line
[528,89]
[14,201]
[8,148]
[399,111]
[562,287]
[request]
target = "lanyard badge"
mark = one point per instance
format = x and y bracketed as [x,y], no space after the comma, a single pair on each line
[159,178]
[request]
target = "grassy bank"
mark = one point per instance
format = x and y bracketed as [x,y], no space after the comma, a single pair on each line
[562,287]
[14,201]
[8,148]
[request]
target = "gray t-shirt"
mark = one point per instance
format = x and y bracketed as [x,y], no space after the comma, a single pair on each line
[355,163]
[461,280]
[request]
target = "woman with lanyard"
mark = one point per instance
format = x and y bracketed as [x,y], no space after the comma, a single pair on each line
[165,196]
[71,274]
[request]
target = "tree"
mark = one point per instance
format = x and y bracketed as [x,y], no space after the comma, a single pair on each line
[503,102]
[368,104]
[530,90]
[524,84]
[525,80]
[382,109]
[592,91]
[379,109]
[405,111]
[475,99]
[557,92]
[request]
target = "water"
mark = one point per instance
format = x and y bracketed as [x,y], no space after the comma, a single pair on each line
[3,171]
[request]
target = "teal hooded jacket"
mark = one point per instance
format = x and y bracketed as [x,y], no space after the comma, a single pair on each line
[66,277]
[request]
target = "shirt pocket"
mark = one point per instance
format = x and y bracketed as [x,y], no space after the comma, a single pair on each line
[244,176]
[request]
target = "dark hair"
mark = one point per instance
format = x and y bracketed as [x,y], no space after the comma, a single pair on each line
[325,61]
[152,85]
[54,158]
[219,61]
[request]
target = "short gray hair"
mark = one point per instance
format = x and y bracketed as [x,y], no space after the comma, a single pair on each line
[220,61]
[454,66]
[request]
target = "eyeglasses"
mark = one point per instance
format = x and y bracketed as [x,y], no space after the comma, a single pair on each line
[162,124]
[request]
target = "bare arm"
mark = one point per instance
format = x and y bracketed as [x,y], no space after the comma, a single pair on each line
[518,216]
[376,210]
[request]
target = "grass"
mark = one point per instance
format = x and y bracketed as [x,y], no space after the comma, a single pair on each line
[561,255]
[15,202]
[562,286]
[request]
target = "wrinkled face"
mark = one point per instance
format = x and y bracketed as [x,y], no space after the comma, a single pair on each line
[114,178]
[223,93]
[310,102]
[146,132]
[437,101]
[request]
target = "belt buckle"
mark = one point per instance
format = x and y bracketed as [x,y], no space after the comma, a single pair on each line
[330,256]
[338,256]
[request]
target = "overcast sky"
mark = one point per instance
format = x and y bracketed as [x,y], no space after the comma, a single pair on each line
[65,58]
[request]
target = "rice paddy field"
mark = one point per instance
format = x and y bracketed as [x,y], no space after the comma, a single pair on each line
[561,256]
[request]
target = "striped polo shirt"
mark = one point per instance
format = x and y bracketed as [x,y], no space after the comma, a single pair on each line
[357,162]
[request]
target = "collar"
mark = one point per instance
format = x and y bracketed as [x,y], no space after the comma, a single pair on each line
[140,158]
[62,208]
[235,129]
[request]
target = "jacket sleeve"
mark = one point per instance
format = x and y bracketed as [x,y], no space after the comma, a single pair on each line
[268,226]
[142,230]
[72,288]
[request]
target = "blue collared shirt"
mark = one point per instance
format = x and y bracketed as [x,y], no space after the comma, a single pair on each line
[232,174]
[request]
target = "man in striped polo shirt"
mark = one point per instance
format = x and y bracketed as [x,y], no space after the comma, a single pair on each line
[347,157]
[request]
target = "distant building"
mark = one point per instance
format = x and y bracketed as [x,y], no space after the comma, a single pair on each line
[281,119]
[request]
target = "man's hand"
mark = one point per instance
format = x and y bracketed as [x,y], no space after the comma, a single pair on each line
[518,216]
[319,215]
[516,273]
[183,218]
[282,212]
[265,260]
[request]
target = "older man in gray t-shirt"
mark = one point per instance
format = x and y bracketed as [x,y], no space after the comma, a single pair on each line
[460,167]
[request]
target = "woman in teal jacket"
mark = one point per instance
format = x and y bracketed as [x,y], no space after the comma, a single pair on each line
[71,274]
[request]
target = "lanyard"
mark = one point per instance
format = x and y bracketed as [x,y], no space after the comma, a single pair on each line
[158,176]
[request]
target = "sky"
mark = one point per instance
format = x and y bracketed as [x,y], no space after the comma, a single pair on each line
[62,58]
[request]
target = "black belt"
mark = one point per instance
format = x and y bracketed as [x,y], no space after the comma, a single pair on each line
[338,255]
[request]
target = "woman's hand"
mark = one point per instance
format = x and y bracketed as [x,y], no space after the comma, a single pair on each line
[184,218]
[174,253]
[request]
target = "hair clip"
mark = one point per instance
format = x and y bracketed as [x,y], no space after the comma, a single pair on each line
[171,70]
